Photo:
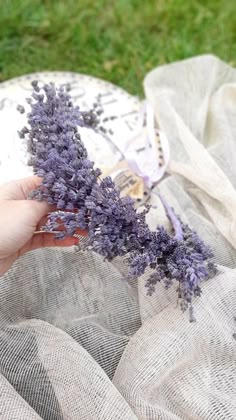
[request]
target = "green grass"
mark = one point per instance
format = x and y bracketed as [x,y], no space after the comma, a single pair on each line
[119,42]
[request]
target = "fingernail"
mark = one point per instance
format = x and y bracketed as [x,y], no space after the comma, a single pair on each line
[76,241]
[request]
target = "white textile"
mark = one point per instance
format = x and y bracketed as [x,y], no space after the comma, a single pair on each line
[78,342]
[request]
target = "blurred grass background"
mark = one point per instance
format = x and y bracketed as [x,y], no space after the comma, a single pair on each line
[118,41]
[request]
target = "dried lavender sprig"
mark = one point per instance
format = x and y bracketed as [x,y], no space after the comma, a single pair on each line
[189,262]
[176,224]
[70,181]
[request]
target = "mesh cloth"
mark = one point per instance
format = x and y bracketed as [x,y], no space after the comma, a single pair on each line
[77,341]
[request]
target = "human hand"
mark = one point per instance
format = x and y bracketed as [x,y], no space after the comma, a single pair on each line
[19,219]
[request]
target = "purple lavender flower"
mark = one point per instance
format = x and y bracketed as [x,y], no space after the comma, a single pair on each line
[85,201]
[183,257]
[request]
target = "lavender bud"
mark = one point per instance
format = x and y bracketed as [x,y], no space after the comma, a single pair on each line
[21,109]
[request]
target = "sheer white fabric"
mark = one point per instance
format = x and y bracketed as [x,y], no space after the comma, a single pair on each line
[78,342]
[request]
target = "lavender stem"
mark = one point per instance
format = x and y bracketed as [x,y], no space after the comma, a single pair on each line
[173,219]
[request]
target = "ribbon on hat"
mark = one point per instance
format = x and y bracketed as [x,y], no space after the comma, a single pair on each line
[142,149]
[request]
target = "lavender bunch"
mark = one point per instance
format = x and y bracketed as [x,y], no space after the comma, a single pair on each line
[182,257]
[83,200]
[69,180]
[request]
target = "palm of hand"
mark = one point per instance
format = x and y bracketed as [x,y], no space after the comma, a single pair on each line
[19,219]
